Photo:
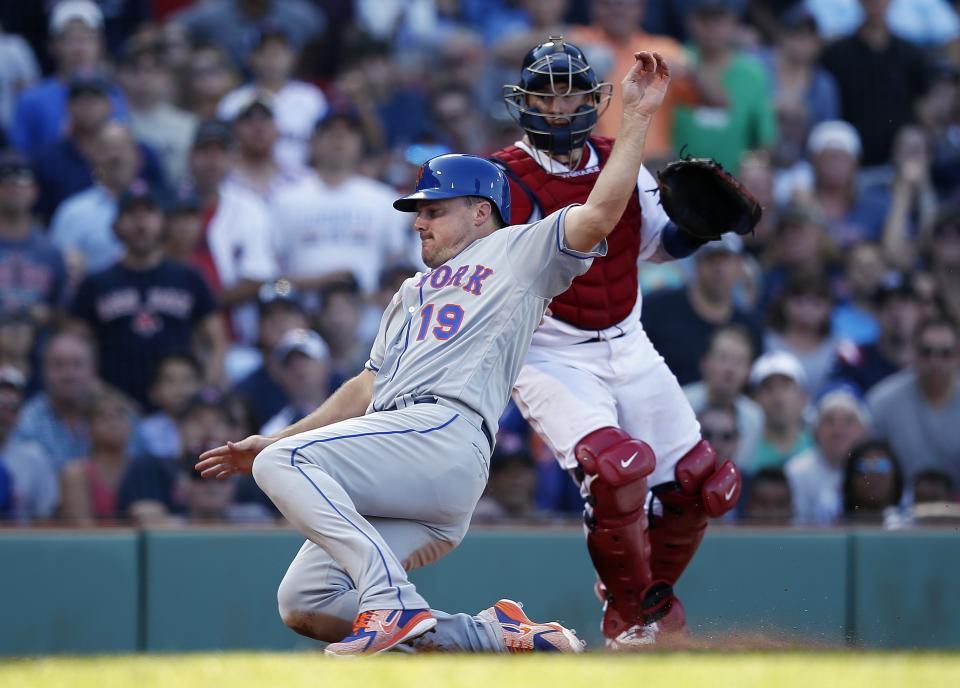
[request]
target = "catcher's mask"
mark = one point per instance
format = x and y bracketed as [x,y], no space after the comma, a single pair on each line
[557,69]
[455,175]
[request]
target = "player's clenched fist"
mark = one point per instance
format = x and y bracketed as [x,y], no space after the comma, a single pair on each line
[232,457]
[646,83]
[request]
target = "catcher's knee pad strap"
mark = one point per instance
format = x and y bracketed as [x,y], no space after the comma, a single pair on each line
[614,469]
[701,491]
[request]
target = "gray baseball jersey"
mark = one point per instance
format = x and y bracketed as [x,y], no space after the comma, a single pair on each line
[462,330]
[394,489]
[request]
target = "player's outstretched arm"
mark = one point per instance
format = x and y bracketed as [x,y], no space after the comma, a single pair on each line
[350,401]
[644,88]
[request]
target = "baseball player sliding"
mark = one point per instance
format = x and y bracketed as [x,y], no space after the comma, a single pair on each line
[592,384]
[383,477]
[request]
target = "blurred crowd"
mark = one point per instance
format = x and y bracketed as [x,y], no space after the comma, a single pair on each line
[197,237]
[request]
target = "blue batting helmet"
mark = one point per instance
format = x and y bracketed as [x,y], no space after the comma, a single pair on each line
[456,175]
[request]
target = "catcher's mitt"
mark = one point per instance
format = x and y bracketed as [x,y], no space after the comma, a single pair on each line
[706,201]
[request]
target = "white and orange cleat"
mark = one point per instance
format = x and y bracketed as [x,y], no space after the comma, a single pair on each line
[380,630]
[520,634]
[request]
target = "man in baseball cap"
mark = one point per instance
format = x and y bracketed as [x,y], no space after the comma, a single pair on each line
[160,306]
[778,380]
[816,475]
[279,310]
[295,104]
[303,361]
[256,168]
[76,45]
[140,194]
[236,253]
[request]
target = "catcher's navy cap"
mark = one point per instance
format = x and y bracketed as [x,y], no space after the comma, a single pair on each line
[457,175]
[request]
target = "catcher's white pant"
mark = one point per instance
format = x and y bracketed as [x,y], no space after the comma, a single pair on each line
[570,386]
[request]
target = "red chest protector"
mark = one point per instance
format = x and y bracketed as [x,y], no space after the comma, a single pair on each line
[607,292]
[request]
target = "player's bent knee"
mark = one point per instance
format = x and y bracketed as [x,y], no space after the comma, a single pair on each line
[317,625]
[300,612]
[614,467]
[265,466]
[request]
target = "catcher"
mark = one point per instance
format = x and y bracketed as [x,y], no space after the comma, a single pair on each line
[592,384]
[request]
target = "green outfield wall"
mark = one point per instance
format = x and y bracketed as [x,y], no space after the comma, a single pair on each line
[122,591]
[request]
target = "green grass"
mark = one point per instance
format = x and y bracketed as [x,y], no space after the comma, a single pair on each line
[669,670]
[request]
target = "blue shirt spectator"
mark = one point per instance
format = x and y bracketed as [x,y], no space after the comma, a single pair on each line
[64,168]
[41,115]
[795,53]
[61,440]
[32,271]
[82,228]
[76,44]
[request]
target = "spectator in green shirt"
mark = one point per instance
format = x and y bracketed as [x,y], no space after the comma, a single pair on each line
[725,103]
[778,384]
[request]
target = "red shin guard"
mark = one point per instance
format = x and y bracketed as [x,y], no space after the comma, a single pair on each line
[614,469]
[701,491]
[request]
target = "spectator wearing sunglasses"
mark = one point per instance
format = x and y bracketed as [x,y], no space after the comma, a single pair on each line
[718,426]
[725,368]
[872,484]
[917,411]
